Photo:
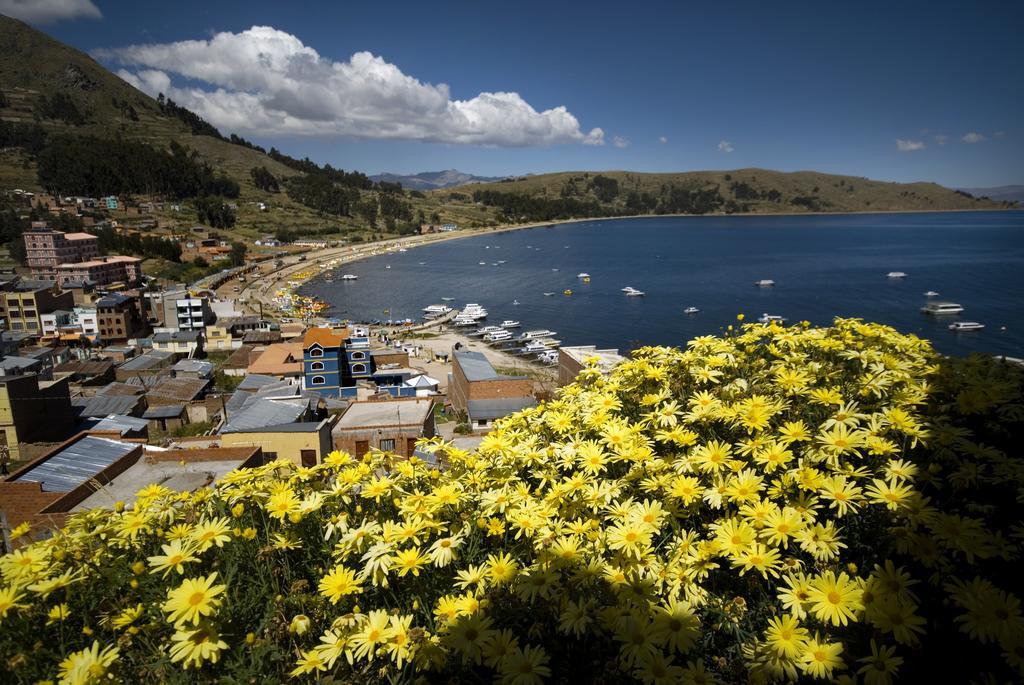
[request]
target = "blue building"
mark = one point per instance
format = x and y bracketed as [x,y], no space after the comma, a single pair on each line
[332,363]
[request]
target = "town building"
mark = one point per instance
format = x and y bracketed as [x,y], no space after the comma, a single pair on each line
[147,364]
[192,313]
[102,271]
[46,248]
[387,425]
[120,318]
[24,301]
[572,360]
[188,343]
[334,362]
[283,360]
[32,410]
[96,469]
[481,393]
[304,443]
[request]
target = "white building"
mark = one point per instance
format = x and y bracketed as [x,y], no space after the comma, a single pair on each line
[193,313]
[79,320]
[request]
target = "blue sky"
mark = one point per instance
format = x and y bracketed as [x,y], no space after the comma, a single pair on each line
[897,91]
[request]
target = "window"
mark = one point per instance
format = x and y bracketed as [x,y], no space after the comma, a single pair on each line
[481,422]
[316,352]
[316,366]
[358,355]
[317,380]
[388,445]
[359,368]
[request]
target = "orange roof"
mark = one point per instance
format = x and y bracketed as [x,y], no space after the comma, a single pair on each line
[325,337]
[274,361]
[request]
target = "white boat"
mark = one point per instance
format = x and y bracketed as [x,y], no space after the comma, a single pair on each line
[966,326]
[500,335]
[548,294]
[554,269]
[387,266]
[483,263]
[895,274]
[485,331]
[690,310]
[583,274]
[510,323]
[473,311]
[627,288]
[764,283]
[770,318]
[437,309]
[463,321]
[350,277]
[403,250]
[633,292]
[533,347]
[515,302]
[937,308]
[447,299]
[536,334]
[931,293]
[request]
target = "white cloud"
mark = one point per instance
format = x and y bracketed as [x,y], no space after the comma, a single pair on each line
[620,142]
[941,140]
[267,82]
[725,146]
[973,137]
[48,11]
[663,140]
[909,145]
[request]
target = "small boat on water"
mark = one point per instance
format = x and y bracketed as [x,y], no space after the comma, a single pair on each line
[966,326]
[498,336]
[583,274]
[938,308]
[532,347]
[690,310]
[447,299]
[536,334]
[895,274]
[627,288]
[515,302]
[633,292]
[567,292]
[387,266]
[485,331]
[764,283]
[771,318]
[483,263]
[510,323]
[548,294]
[350,277]
[436,311]
[931,293]
[554,269]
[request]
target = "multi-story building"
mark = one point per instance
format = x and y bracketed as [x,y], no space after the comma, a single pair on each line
[333,362]
[102,271]
[483,394]
[192,313]
[25,300]
[46,248]
[120,318]
[32,411]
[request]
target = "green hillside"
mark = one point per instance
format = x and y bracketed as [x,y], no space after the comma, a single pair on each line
[738,191]
[52,91]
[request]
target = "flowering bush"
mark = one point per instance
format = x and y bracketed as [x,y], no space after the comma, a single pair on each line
[777,504]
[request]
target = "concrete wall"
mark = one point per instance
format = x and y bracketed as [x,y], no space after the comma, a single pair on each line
[287,445]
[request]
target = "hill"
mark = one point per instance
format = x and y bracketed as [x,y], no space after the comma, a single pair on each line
[431,180]
[610,193]
[999,193]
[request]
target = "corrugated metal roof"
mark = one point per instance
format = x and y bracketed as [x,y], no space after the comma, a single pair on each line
[149,360]
[122,424]
[100,406]
[497,408]
[77,463]
[475,366]
[255,380]
[170,411]
[194,366]
[259,412]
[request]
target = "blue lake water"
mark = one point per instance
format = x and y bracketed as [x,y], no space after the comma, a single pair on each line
[823,266]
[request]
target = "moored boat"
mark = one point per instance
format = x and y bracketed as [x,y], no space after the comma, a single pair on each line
[764,283]
[771,318]
[938,308]
[690,310]
[966,326]
[895,274]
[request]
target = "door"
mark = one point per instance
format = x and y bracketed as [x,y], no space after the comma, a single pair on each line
[308,457]
[362,447]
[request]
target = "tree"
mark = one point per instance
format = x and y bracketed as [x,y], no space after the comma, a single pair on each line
[200,262]
[264,180]
[368,210]
[237,254]
[215,212]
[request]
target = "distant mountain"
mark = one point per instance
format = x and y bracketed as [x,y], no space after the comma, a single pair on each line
[433,180]
[1000,193]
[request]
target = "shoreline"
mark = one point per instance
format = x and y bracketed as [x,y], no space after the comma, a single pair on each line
[317,261]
